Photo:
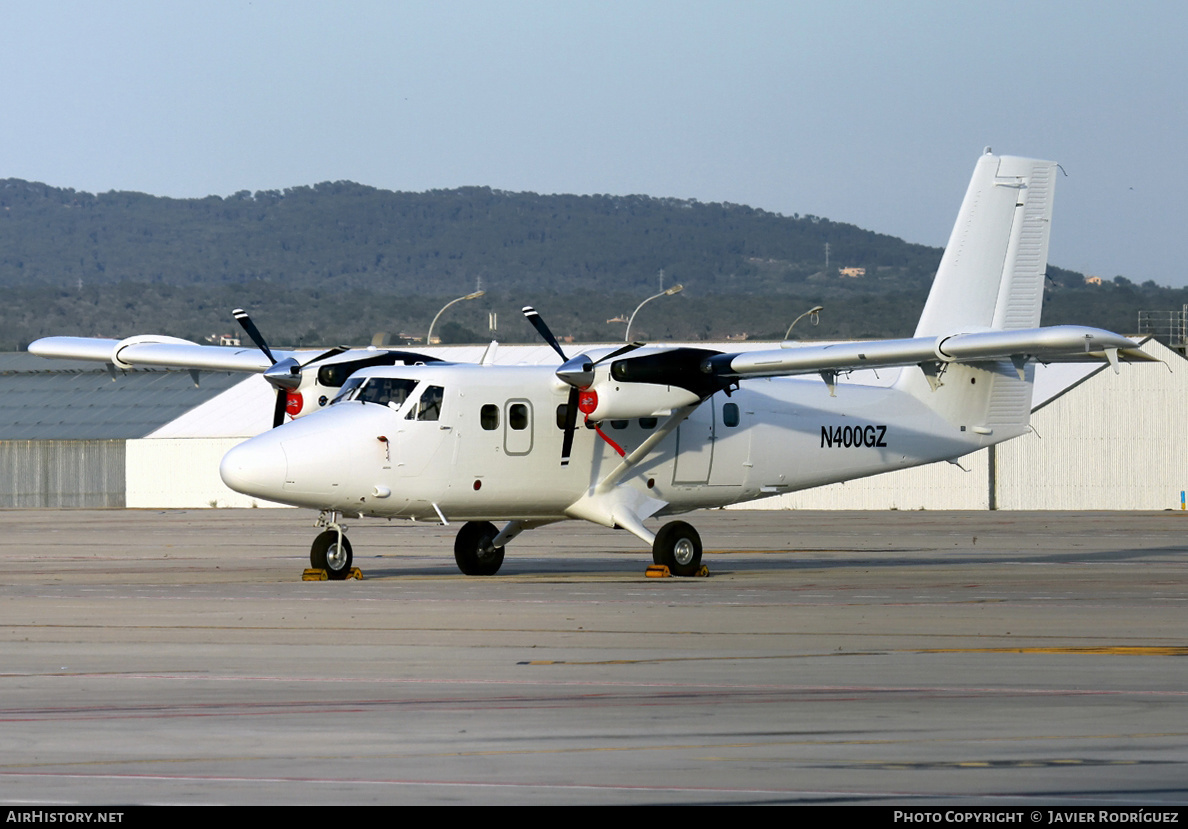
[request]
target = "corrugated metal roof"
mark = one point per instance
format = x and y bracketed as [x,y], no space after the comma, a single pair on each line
[65,399]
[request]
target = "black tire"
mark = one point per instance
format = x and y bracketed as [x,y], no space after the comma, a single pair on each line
[473,550]
[325,555]
[678,547]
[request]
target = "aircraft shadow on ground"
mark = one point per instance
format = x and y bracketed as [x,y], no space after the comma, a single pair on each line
[775,561]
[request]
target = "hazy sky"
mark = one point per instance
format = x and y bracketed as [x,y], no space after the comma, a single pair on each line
[865,112]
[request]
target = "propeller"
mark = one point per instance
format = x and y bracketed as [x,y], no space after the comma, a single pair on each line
[284,375]
[578,372]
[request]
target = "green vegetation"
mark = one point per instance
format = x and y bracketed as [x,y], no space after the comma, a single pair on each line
[338,262]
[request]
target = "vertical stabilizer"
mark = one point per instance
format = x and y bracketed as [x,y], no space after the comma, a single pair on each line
[992,271]
[990,277]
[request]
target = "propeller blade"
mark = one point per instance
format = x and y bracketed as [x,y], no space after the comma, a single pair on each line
[278,411]
[285,375]
[543,330]
[619,352]
[571,413]
[334,352]
[241,316]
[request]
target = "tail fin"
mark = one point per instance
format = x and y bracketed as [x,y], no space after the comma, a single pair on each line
[990,277]
[992,273]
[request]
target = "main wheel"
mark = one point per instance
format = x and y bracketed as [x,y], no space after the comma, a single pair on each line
[678,547]
[326,554]
[473,550]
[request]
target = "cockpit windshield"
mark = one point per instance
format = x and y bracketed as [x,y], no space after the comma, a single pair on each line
[386,391]
[348,389]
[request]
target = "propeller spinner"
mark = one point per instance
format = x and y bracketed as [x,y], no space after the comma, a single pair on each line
[284,375]
[577,371]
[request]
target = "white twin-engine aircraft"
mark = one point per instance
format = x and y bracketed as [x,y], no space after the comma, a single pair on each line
[394,434]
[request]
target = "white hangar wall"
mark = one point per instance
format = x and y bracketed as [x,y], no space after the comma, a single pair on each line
[1115,441]
[180,473]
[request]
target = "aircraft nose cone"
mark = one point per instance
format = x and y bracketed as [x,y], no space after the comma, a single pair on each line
[255,467]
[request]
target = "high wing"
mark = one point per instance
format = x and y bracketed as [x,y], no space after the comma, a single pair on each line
[158,351]
[1058,343]
[284,370]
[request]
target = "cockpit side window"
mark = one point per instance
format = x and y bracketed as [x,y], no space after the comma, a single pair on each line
[387,391]
[429,406]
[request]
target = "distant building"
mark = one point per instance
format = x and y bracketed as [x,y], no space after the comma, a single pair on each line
[1093,280]
[852,273]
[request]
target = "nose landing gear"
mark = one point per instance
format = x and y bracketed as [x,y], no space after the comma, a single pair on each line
[331,552]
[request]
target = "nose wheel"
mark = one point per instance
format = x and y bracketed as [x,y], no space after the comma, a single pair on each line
[331,552]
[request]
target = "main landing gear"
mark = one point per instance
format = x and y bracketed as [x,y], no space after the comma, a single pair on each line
[678,547]
[474,551]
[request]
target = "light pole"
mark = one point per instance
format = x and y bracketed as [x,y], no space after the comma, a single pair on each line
[475,295]
[675,289]
[814,311]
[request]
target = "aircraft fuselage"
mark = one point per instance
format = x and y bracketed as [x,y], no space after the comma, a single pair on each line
[487,444]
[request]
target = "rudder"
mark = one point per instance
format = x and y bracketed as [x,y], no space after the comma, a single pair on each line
[992,273]
[991,277]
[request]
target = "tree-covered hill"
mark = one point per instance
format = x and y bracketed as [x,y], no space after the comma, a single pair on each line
[438,242]
[338,262]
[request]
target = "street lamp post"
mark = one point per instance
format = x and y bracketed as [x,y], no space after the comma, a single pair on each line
[814,312]
[475,295]
[675,289]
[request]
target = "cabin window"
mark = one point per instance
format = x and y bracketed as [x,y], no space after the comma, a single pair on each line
[517,431]
[489,417]
[618,424]
[648,422]
[562,411]
[730,414]
[517,416]
[429,406]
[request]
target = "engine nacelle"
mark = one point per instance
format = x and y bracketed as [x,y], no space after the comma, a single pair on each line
[609,399]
